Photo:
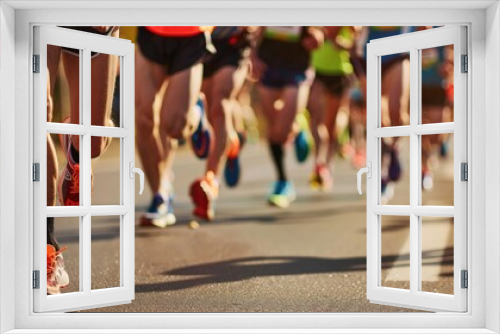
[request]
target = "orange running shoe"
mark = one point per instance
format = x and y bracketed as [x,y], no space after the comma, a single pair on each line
[69,180]
[204,192]
[57,277]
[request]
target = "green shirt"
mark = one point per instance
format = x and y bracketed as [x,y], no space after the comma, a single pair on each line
[330,60]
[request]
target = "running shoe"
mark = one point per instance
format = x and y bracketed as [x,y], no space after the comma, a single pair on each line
[301,142]
[358,159]
[232,169]
[427,180]
[395,165]
[282,194]
[387,191]
[57,277]
[321,178]
[200,139]
[443,151]
[69,180]
[160,212]
[204,192]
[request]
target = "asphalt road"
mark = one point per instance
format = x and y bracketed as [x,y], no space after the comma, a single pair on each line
[255,258]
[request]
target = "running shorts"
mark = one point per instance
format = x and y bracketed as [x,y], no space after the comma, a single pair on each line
[174,53]
[231,52]
[279,78]
[334,84]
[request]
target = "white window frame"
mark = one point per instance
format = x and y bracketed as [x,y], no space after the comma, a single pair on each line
[483,21]
[414,43]
[124,133]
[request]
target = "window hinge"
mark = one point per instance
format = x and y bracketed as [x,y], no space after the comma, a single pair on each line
[464,172]
[465,64]
[465,279]
[36,63]
[36,172]
[36,279]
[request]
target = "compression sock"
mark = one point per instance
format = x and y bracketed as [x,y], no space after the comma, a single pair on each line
[277,155]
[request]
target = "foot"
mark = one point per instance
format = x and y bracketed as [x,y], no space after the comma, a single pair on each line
[69,180]
[200,139]
[301,143]
[57,277]
[321,178]
[387,191]
[160,212]
[427,180]
[358,159]
[232,167]
[204,193]
[283,193]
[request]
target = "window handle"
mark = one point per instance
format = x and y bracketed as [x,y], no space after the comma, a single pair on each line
[133,170]
[367,170]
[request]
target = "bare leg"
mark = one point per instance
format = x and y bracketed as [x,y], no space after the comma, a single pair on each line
[178,118]
[149,79]
[317,107]
[103,74]
[223,87]
[332,105]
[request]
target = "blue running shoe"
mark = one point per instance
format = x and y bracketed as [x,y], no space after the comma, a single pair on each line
[200,139]
[395,165]
[232,169]
[282,195]
[301,142]
[301,147]
[387,191]
[160,212]
[443,151]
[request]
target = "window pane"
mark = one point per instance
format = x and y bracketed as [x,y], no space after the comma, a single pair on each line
[437,170]
[63,85]
[395,162]
[437,85]
[105,252]
[395,89]
[105,90]
[395,248]
[437,254]
[106,171]
[63,170]
[64,235]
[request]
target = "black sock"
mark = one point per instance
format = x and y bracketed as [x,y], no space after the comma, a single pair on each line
[75,155]
[51,239]
[278,156]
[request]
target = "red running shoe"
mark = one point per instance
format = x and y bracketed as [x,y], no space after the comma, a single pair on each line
[204,192]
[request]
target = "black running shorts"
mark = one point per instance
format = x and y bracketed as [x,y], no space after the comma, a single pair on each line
[230,52]
[174,53]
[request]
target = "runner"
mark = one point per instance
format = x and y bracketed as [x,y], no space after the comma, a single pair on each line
[282,63]
[223,76]
[333,68]
[435,70]
[395,95]
[171,56]
[103,73]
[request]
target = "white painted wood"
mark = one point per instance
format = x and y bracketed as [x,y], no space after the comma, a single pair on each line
[86,298]
[190,13]
[413,43]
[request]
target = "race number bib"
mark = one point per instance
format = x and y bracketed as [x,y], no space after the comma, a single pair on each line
[288,34]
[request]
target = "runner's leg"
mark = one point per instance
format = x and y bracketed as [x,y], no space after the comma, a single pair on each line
[223,86]
[149,78]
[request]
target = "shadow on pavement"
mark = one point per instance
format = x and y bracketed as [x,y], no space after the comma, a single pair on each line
[247,268]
